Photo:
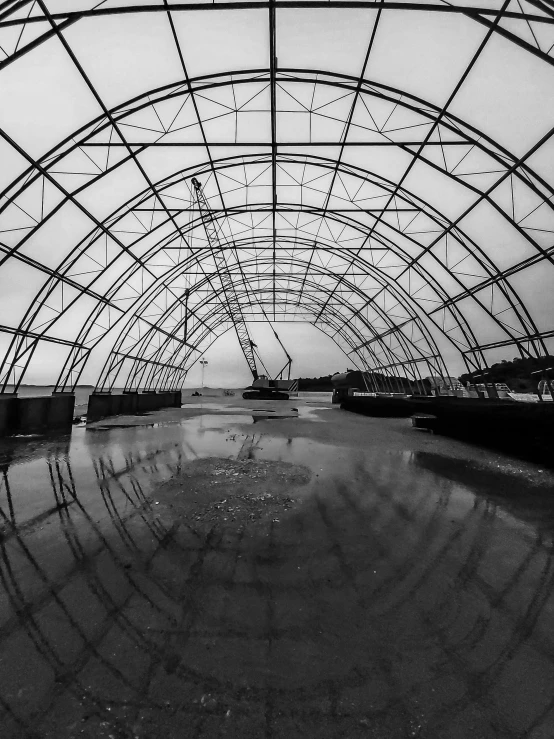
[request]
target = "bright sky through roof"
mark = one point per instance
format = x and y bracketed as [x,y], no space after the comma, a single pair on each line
[387,176]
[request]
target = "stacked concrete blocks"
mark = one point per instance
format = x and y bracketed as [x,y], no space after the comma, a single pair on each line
[101,405]
[40,415]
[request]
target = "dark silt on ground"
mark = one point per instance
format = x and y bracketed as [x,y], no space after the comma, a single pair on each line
[217,571]
[225,493]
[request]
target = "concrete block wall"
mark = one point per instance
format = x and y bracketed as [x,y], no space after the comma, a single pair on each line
[54,413]
[101,405]
[40,415]
[8,404]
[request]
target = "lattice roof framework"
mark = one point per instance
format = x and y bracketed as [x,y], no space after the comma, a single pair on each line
[381,170]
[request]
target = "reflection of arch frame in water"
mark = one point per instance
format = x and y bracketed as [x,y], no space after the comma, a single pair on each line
[412,504]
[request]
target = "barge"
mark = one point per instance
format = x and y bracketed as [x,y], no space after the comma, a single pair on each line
[516,425]
[481,416]
[384,405]
[352,390]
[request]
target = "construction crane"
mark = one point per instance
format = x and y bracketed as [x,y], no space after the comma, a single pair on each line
[229,291]
[288,364]
[262,386]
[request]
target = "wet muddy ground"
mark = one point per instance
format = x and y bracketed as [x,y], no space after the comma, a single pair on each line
[218,571]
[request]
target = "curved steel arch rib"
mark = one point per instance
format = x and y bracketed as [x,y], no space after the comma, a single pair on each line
[20,16]
[108,301]
[418,265]
[407,350]
[196,265]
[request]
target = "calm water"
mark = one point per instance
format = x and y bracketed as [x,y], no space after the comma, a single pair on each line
[408,593]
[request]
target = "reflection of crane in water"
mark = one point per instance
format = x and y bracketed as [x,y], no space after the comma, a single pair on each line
[262,387]
[249,446]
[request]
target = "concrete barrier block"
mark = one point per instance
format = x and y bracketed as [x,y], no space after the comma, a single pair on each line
[100,405]
[32,415]
[129,403]
[60,412]
[8,408]
[36,415]
[117,405]
[148,401]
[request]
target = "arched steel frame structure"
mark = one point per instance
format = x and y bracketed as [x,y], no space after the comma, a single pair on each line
[310,235]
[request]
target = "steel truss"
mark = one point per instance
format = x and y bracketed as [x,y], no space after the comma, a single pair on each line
[315,232]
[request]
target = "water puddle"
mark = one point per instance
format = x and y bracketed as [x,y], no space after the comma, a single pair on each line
[200,424]
[120,617]
[217,407]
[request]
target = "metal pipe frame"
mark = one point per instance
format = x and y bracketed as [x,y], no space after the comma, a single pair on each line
[396,282]
[403,349]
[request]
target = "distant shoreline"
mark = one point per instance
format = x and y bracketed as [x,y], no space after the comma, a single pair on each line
[24,384]
[206,389]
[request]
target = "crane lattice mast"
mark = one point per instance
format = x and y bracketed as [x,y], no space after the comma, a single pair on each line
[231,298]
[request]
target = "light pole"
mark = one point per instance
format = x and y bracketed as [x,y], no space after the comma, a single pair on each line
[203,362]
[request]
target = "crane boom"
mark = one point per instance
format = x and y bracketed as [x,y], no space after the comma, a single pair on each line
[232,301]
[288,363]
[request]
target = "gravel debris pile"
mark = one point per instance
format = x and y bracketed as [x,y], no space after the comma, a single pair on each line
[218,492]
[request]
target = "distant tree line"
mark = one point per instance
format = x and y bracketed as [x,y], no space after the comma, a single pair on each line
[515,373]
[316,384]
